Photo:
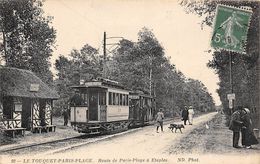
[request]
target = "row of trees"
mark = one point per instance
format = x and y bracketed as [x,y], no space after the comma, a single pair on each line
[28,38]
[245,70]
[28,41]
[141,66]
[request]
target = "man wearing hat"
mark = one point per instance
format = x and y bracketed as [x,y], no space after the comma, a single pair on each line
[185,114]
[235,125]
[159,120]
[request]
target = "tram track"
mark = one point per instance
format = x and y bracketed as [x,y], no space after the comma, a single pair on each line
[15,149]
[57,146]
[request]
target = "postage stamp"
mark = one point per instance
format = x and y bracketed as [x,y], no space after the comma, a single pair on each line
[230,28]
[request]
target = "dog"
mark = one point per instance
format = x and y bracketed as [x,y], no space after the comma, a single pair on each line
[176,126]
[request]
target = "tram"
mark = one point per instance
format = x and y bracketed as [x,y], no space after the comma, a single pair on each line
[104,106]
[142,109]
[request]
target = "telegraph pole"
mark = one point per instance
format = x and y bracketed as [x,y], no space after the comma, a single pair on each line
[231,82]
[105,68]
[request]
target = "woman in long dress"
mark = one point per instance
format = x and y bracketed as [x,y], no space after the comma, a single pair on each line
[248,137]
[191,113]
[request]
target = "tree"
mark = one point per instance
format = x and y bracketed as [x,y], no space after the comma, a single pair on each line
[28,37]
[83,64]
[140,66]
[245,67]
[143,66]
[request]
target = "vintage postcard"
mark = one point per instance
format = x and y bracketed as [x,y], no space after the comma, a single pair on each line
[129,81]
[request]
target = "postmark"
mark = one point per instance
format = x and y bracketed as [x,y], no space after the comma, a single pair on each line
[231,28]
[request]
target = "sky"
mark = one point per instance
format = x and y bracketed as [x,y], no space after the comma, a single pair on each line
[80,22]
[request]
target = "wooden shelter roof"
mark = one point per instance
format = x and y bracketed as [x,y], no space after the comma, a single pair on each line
[19,82]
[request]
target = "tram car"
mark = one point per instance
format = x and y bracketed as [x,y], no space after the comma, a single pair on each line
[100,106]
[142,109]
[104,106]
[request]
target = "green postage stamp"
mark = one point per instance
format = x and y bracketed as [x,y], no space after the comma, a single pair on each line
[230,28]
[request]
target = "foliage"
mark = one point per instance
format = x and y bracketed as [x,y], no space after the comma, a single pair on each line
[140,66]
[244,67]
[81,65]
[29,39]
[144,66]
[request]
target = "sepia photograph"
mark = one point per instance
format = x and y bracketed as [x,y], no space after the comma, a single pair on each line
[129,81]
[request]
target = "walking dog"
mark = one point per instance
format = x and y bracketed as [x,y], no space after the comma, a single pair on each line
[176,126]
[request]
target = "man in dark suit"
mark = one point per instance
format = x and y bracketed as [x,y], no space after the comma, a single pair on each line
[235,125]
[184,115]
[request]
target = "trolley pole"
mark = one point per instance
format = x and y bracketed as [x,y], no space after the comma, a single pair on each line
[105,56]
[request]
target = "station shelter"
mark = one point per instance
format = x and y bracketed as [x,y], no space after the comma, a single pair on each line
[26,102]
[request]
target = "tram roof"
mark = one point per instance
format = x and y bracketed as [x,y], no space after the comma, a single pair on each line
[101,84]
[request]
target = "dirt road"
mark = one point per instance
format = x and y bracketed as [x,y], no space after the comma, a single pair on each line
[146,141]
[145,146]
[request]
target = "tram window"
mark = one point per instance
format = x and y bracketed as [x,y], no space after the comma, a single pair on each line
[117,99]
[126,100]
[120,99]
[102,98]
[84,98]
[110,98]
[114,98]
[82,95]
[123,99]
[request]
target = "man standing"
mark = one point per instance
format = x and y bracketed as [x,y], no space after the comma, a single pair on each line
[159,120]
[235,125]
[184,115]
[66,117]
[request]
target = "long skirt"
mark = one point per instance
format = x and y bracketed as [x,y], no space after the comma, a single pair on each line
[191,119]
[248,137]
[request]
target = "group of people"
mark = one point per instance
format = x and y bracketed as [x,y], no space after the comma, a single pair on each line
[187,115]
[241,122]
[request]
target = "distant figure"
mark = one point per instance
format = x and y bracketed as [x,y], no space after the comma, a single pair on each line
[66,117]
[159,120]
[248,137]
[29,123]
[190,115]
[184,115]
[235,125]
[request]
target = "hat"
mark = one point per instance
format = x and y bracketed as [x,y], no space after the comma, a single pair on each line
[247,110]
[190,107]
